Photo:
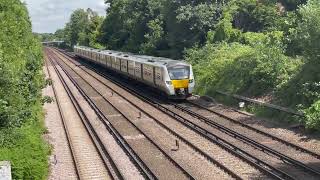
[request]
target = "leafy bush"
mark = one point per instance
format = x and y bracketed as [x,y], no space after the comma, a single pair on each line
[303,90]
[21,80]
[20,64]
[313,116]
[212,62]
[25,149]
[309,28]
[254,68]
[258,49]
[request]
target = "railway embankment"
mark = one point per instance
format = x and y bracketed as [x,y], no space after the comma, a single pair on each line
[278,65]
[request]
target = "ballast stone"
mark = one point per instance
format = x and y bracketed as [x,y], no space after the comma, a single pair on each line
[5,170]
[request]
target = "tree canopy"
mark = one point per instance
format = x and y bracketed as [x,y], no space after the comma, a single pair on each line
[82,28]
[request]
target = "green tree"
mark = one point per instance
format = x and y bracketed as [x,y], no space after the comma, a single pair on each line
[20,64]
[60,34]
[308,31]
[75,29]
[82,29]
[21,81]
[292,4]
[162,28]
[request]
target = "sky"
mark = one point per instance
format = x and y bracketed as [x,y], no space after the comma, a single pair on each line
[49,15]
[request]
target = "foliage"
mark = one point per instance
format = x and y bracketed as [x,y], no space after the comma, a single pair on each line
[292,4]
[20,64]
[238,68]
[75,29]
[25,149]
[258,49]
[255,16]
[304,89]
[313,115]
[308,30]
[82,29]
[161,28]
[21,80]
[211,62]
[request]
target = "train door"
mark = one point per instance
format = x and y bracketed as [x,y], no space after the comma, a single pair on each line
[138,70]
[148,73]
[158,76]
[131,69]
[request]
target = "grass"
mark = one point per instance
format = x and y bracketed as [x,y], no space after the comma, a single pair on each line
[26,149]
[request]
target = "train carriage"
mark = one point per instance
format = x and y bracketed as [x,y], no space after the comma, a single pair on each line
[174,78]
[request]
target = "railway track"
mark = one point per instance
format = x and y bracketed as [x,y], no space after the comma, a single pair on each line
[145,171]
[180,137]
[214,118]
[263,166]
[96,107]
[248,127]
[108,163]
[254,161]
[204,122]
[64,123]
[187,104]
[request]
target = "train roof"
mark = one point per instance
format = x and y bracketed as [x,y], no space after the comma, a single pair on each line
[160,61]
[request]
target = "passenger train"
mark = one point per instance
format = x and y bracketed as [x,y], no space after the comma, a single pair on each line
[172,77]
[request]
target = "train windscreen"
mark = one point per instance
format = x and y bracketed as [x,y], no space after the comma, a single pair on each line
[179,72]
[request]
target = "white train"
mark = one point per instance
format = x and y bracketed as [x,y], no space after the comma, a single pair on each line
[174,78]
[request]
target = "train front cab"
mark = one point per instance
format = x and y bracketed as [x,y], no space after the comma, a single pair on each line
[181,81]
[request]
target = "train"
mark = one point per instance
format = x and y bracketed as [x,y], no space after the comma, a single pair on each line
[174,78]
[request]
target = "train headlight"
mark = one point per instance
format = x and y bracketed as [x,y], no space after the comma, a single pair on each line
[190,80]
[169,82]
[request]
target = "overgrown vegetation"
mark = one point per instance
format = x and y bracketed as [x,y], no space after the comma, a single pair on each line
[256,48]
[20,83]
[260,49]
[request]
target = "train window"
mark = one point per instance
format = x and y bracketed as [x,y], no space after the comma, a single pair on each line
[179,72]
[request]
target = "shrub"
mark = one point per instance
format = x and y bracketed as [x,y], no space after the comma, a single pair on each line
[309,28]
[211,63]
[21,80]
[20,64]
[313,116]
[251,69]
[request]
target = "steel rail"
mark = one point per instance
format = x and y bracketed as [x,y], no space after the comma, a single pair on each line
[299,148]
[263,166]
[247,140]
[63,122]
[244,139]
[123,115]
[93,135]
[228,171]
[152,142]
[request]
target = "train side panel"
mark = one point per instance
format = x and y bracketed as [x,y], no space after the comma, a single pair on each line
[131,67]
[138,70]
[124,65]
[109,60]
[148,74]
[116,63]
[158,76]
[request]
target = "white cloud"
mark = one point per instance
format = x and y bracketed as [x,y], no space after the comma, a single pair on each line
[50,15]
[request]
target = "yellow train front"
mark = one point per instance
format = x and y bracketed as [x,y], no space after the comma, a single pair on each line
[174,78]
[179,81]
